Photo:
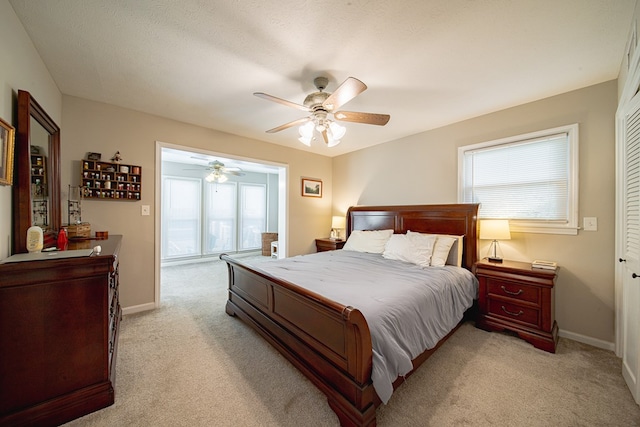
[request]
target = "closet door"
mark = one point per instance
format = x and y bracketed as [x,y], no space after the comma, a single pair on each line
[629,233]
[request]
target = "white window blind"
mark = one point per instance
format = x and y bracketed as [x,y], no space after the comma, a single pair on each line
[530,179]
[253,215]
[181,217]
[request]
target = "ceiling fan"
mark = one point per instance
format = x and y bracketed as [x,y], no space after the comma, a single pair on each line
[322,105]
[219,171]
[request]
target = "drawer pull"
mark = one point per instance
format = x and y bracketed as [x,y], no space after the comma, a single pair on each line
[515,294]
[520,313]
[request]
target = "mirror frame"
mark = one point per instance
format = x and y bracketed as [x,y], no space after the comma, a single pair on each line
[29,108]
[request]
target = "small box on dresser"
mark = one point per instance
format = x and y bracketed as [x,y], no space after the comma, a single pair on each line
[516,297]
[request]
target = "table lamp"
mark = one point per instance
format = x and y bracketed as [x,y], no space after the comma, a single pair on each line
[494,229]
[337,223]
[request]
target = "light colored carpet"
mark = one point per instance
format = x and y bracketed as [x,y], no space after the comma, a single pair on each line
[190,364]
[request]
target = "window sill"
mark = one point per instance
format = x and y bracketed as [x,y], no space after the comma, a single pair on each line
[566,230]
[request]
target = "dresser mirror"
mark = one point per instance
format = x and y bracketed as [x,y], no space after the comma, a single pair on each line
[36,189]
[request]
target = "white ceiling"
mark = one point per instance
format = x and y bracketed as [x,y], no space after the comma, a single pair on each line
[427,63]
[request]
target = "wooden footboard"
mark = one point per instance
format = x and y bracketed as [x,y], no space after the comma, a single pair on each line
[328,342]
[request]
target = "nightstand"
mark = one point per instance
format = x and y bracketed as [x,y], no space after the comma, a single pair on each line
[329,244]
[514,296]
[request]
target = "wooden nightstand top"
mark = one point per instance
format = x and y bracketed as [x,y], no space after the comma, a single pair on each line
[517,267]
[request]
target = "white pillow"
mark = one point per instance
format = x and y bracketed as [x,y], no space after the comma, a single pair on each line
[372,241]
[416,250]
[447,250]
[441,250]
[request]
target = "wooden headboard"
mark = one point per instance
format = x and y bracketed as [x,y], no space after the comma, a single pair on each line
[453,219]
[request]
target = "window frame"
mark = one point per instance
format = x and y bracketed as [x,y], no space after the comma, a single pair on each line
[540,226]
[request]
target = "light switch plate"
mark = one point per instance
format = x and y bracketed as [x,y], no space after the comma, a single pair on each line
[145,210]
[590,223]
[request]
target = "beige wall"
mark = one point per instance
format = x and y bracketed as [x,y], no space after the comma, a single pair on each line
[624,66]
[423,169]
[96,127]
[417,169]
[23,69]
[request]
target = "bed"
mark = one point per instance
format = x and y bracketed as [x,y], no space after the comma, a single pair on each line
[328,341]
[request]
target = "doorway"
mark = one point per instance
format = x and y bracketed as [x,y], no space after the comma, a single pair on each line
[231,200]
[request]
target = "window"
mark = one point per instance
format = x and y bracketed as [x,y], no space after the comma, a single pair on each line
[181,222]
[531,179]
[253,215]
[220,217]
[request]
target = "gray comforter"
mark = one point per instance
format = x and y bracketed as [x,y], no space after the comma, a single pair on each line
[408,308]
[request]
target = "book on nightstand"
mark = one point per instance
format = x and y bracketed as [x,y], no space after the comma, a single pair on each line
[544,265]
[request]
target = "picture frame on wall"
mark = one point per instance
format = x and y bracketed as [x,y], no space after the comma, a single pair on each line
[311,187]
[7,145]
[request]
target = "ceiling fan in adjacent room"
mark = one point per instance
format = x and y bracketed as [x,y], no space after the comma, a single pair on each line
[219,172]
[322,106]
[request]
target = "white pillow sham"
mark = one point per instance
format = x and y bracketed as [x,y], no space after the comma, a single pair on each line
[371,241]
[447,249]
[415,249]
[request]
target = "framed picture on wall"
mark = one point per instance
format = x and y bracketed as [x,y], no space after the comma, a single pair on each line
[7,141]
[311,187]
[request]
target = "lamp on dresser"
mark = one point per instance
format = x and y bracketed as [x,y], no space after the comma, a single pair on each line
[495,229]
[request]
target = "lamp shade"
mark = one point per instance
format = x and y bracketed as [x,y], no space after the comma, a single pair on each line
[494,229]
[338,222]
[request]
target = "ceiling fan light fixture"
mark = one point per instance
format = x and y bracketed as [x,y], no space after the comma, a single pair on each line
[337,131]
[306,130]
[305,140]
[216,177]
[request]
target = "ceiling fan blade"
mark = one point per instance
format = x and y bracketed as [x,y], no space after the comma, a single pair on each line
[325,136]
[288,125]
[281,101]
[367,118]
[235,173]
[348,90]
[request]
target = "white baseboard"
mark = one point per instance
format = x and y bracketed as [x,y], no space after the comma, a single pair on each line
[138,308]
[606,345]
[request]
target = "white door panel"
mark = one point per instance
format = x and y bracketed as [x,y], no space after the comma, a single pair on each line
[629,300]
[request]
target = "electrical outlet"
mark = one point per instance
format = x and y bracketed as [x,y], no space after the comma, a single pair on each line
[590,223]
[145,210]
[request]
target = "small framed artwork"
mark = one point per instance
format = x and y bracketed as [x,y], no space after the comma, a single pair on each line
[94,156]
[7,141]
[311,187]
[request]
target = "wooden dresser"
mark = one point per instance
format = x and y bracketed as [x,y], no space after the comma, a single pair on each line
[514,296]
[59,324]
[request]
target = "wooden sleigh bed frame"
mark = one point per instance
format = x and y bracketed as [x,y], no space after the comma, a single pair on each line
[329,342]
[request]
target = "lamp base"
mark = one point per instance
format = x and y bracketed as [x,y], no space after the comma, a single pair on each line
[494,259]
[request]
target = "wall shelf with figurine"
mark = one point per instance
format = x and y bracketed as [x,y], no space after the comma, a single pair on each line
[111,181]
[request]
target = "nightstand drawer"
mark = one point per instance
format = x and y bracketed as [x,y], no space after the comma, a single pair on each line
[514,312]
[513,290]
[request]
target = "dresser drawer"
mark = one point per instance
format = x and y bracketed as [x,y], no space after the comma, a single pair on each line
[514,312]
[514,290]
